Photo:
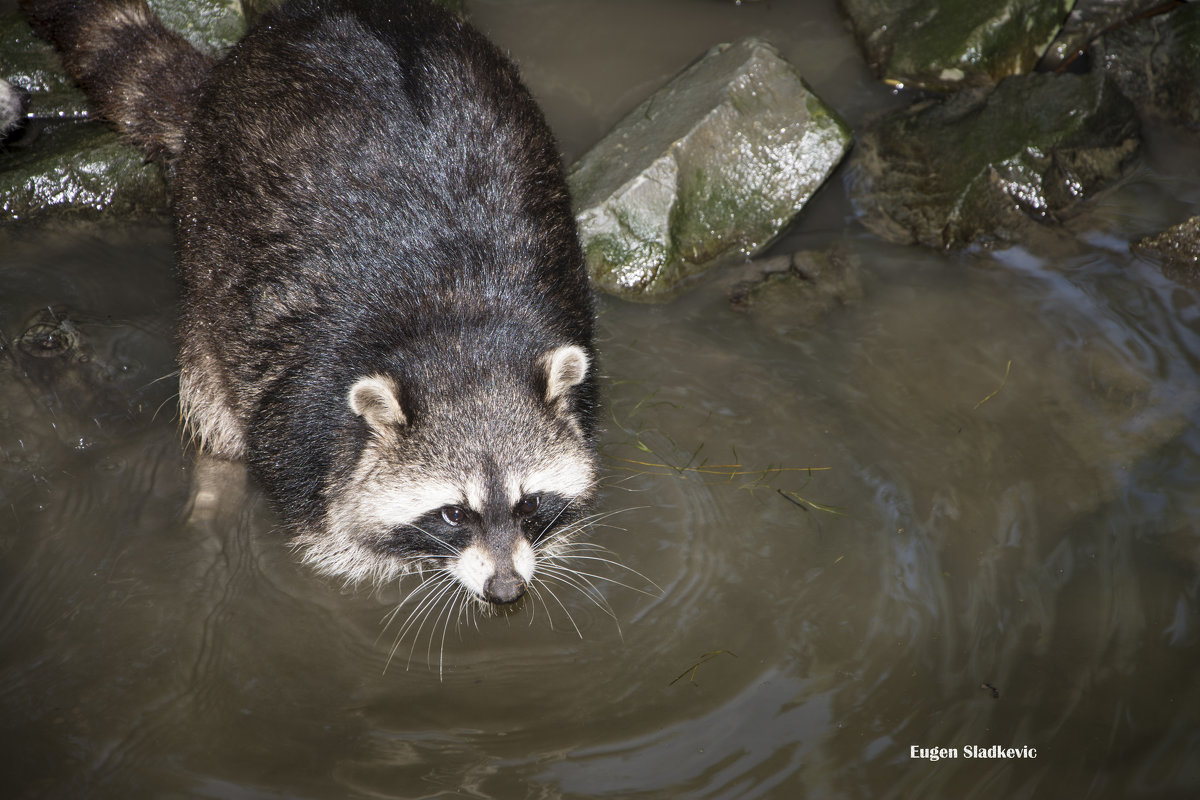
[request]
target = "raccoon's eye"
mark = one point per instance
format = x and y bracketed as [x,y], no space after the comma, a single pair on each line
[527,506]
[454,515]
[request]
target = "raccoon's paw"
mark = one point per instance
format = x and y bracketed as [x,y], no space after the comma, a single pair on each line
[217,484]
[12,107]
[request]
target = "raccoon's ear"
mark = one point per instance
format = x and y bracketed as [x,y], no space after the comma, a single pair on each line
[375,399]
[566,367]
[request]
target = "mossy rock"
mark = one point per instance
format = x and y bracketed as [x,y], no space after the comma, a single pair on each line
[1156,62]
[982,166]
[1086,22]
[82,169]
[210,25]
[709,170]
[78,169]
[954,43]
[31,64]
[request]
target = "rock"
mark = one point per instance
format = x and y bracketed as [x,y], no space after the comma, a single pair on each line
[68,378]
[78,169]
[1156,62]
[976,167]
[956,43]
[1087,20]
[797,288]
[84,169]
[210,25]
[87,170]
[31,64]
[709,170]
[1178,248]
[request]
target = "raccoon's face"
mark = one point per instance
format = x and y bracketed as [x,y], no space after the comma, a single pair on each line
[477,486]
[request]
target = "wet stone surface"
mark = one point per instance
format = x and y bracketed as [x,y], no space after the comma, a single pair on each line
[210,25]
[79,170]
[1177,248]
[1086,22]
[982,167]
[1156,62]
[949,45]
[31,64]
[708,170]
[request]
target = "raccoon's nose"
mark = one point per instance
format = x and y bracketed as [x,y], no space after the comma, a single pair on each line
[504,588]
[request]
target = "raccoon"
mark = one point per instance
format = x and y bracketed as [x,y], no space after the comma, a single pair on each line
[386,311]
[12,108]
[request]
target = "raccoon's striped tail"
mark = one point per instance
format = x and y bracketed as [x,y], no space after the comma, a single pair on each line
[137,74]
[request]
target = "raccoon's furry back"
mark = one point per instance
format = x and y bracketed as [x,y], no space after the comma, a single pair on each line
[386,309]
[138,74]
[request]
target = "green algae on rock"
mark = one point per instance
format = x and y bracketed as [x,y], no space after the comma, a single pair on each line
[708,170]
[79,169]
[978,167]
[210,25]
[30,63]
[84,169]
[957,43]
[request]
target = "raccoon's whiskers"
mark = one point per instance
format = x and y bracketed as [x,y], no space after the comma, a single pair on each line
[395,612]
[154,416]
[533,587]
[433,587]
[563,568]
[575,526]
[585,587]
[454,598]
[424,608]
[554,595]
[561,557]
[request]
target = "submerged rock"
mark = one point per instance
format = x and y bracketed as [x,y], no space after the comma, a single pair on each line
[80,169]
[980,167]
[1156,62]
[69,376]
[956,43]
[708,170]
[800,287]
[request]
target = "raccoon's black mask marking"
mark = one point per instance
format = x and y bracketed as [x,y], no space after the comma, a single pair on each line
[386,309]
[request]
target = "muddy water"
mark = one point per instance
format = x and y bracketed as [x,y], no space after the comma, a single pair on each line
[958,512]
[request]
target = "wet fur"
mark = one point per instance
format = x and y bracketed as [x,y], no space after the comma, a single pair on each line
[12,108]
[362,191]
